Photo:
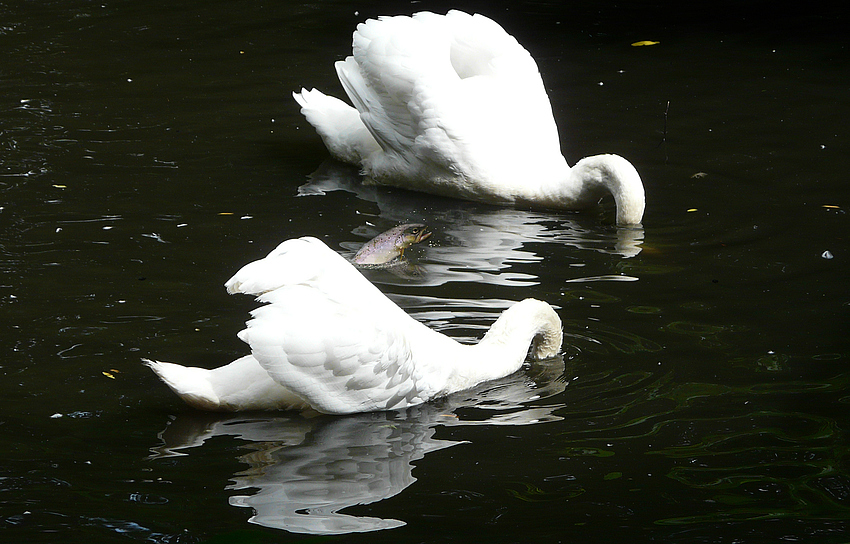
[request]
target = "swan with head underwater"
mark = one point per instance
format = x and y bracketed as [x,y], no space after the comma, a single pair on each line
[329,340]
[453,105]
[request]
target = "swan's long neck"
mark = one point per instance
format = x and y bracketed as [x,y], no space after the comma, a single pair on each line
[594,176]
[505,346]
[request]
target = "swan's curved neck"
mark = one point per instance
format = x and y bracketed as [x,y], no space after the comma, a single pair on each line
[505,346]
[594,176]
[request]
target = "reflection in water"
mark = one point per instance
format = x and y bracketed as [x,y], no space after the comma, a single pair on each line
[343,462]
[478,243]
[304,470]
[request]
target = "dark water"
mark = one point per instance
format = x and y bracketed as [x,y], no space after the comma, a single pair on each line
[148,150]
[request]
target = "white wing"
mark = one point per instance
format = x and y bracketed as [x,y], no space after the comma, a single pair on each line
[338,124]
[295,261]
[451,94]
[339,358]
[309,262]
[329,335]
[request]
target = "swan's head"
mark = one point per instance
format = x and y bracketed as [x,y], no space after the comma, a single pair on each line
[614,174]
[547,342]
[545,346]
[533,322]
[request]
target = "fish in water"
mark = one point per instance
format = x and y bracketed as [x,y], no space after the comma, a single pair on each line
[388,247]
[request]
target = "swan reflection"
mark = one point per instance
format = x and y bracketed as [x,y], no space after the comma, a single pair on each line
[303,471]
[472,242]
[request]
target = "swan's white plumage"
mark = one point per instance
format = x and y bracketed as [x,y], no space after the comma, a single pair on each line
[241,385]
[453,105]
[328,339]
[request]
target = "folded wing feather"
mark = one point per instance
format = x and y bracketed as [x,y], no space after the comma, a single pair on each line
[337,357]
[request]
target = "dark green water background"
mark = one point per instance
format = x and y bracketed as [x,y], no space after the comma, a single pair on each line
[150,149]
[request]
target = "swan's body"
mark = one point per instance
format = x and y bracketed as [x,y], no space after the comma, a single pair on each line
[453,105]
[328,339]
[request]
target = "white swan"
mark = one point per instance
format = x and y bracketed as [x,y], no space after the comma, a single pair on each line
[453,105]
[328,339]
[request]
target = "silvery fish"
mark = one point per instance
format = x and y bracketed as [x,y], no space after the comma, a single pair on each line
[388,247]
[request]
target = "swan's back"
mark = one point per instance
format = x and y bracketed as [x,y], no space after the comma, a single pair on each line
[451,97]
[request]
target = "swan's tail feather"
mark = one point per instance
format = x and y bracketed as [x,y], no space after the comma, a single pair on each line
[338,124]
[190,384]
[240,385]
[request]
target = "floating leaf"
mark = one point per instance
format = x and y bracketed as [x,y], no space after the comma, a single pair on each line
[60,186]
[532,493]
[613,475]
[644,42]
[585,452]
[108,375]
[691,210]
[644,309]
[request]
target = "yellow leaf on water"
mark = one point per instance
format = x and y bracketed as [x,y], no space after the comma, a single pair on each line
[831,207]
[225,213]
[691,210]
[60,186]
[644,42]
[108,375]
